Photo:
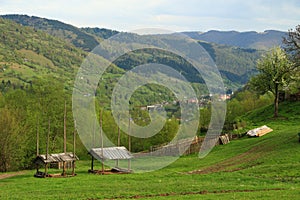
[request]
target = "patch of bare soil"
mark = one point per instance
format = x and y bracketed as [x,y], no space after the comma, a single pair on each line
[236,163]
[3,176]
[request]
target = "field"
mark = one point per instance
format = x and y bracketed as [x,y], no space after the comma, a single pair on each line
[248,168]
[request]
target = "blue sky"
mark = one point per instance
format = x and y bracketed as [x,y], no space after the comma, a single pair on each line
[174,15]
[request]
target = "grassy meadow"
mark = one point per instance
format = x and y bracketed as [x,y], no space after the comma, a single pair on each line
[247,168]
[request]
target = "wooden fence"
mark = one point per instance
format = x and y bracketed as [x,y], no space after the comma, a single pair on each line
[184,147]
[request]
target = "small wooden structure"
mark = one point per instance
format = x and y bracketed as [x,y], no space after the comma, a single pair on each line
[66,160]
[260,131]
[110,153]
[224,139]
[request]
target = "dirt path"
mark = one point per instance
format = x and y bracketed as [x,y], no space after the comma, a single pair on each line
[3,176]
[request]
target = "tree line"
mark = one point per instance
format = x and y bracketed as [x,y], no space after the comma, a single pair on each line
[26,111]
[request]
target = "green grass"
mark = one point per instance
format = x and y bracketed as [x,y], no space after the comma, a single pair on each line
[248,168]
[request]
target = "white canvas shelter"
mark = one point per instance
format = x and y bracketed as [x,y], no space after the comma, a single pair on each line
[260,131]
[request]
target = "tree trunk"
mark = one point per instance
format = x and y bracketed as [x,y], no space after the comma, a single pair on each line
[276,100]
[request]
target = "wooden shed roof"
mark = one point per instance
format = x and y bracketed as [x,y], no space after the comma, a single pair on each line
[57,157]
[111,153]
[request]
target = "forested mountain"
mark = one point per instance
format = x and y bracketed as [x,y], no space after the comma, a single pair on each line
[67,32]
[84,38]
[236,64]
[251,39]
[27,53]
[100,32]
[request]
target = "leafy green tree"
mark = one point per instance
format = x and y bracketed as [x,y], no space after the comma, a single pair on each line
[275,70]
[205,115]
[11,141]
[48,99]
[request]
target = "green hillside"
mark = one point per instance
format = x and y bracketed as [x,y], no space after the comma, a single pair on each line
[27,53]
[67,32]
[289,113]
[248,168]
[235,64]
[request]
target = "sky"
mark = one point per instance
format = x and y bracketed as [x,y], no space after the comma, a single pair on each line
[173,15]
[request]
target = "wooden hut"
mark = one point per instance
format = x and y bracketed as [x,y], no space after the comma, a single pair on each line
[60,160]
[65,160]
[110,153]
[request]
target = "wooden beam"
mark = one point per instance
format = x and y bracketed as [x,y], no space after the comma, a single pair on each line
[129,142]
[94,132]
[65,139]
[47,144]
[65,128]
[119,138]
[102,166]
[64,168]
[46,169]
[92,164]
[101,135]
[37,138]
[129,165]
[47,148]
[129,137]
[119,133]
[74,150]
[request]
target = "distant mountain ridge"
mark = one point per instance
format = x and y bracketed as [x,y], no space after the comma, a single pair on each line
[88,38]
[84,38]
[236,64]
[250,39]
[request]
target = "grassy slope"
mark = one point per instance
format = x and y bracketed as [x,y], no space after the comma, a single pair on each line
[67,32]
[26,53]
[259,168]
